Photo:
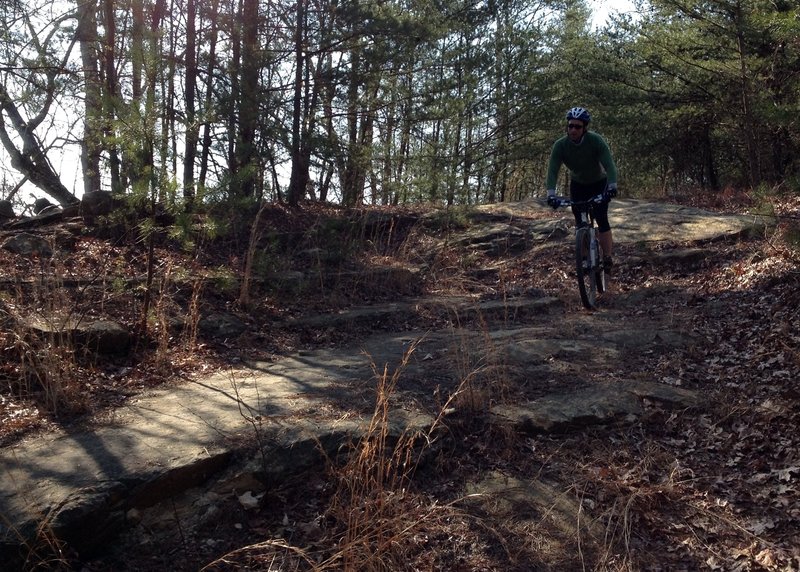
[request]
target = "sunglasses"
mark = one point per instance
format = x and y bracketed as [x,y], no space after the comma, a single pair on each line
[574,126]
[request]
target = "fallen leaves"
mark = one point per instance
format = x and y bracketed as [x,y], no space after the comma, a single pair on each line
[713,489]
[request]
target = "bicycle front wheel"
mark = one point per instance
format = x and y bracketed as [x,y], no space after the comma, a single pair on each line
[587,279]
[600,271]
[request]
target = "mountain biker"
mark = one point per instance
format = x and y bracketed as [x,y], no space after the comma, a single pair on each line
[592,171]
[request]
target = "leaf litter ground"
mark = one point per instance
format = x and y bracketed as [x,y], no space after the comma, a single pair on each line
[715,489]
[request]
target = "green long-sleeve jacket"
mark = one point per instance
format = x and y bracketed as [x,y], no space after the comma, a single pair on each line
[588,161]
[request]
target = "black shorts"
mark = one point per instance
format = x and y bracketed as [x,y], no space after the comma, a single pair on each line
[581,192]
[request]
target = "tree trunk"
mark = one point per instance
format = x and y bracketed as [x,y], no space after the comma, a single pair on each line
[748,131]
[31,161]
[111,99]
[328,94]
[145,174]
[405,150]
[247,158]
[365,140]
[299,175]
[213,17]
[190,85]
[234,73]
[91,145]
[168,140]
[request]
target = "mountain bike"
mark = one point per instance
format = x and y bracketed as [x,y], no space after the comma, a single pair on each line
[588,252]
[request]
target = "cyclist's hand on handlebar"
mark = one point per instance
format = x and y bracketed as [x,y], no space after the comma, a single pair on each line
[553,201]
[611,190]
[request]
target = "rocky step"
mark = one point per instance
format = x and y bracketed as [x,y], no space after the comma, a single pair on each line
[86,509]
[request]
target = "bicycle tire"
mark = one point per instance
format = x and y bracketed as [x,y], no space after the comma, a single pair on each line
[587,282]
[600,272]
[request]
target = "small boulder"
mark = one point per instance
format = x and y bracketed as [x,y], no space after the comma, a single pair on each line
[28,245]
[104,337]
[98,203]
[220,325]
[6,209]
[43,206]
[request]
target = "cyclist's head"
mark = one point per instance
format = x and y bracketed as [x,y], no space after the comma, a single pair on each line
[581,114]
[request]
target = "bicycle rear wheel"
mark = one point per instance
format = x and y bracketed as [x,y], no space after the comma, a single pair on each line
[587,279]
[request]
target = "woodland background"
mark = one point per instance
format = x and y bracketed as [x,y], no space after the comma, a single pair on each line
[190,102]
[232,107]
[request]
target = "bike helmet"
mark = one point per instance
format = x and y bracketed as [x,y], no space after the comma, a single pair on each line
[579,113]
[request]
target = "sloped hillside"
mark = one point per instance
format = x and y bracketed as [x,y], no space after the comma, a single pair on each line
[708,487]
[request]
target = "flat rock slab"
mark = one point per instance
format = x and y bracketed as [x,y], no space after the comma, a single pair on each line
[409,310]
[601,404]
[83,483]
[636,221]
[644,221]
[175,438]
[529,502]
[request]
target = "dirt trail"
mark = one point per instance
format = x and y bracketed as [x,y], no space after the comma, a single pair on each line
[552,433]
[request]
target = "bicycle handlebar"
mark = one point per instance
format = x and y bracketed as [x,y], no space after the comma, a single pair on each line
[599,198]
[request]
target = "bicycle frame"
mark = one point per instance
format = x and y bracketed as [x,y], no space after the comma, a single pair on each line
[588,252]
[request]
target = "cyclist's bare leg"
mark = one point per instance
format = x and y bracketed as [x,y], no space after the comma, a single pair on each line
[605,242]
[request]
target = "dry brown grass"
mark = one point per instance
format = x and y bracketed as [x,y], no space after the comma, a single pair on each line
[38,342]
[376,519]
[364,532]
